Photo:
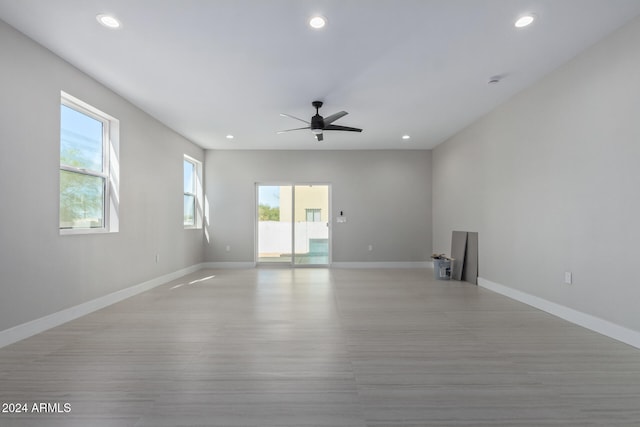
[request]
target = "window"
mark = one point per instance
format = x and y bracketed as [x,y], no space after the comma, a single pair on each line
[192,190]
[313,215]
[88,168]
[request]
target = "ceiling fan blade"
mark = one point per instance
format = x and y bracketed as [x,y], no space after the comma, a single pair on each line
[338,127]
[319,136]
[289,130]
[293,117]
[332,118]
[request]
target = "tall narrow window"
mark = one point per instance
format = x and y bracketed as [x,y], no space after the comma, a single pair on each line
[88,172]
[192,193]
[190,179]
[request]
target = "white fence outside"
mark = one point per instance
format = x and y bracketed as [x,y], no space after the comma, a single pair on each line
[275,236]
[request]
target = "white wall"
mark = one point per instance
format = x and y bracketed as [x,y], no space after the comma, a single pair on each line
[386,196]
[551,181]
[42,272]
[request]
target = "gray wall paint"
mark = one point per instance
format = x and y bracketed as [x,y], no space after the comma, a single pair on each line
[550,180]
[386,196]
[42,272]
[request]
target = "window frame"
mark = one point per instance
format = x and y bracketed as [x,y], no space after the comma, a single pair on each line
[196,194]
[109,173]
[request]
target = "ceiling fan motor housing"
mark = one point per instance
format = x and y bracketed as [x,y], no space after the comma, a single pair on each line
[317,121]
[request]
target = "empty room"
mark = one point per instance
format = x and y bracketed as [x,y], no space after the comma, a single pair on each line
[331,213]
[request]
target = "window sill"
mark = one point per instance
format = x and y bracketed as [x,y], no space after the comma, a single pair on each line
[79,231]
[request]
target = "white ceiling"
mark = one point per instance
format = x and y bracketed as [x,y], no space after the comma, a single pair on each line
[208,68]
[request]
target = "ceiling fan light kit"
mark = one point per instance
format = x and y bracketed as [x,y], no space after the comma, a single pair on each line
[319,124]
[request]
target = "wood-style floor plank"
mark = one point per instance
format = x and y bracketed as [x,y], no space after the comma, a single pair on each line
[319,347]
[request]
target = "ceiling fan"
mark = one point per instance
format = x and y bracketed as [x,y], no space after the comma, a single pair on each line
[319,124]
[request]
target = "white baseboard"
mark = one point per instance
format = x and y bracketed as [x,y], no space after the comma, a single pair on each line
[25,330]
[390,264]
[604,327]
[229,264]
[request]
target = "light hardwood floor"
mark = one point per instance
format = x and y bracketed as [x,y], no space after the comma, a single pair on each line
[319,347]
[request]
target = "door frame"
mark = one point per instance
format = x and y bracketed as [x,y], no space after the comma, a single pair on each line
[293,185]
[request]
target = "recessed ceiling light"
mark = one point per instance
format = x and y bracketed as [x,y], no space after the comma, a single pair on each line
[405,137]
[108,21]
[230,136]
[524,20]
[318,22]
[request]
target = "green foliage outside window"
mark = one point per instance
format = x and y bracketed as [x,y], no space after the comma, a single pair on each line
[81,200]
[268,213]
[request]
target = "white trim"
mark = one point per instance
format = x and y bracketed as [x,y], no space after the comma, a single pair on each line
[25,330]
[388,264]
[229,264]
[596,324]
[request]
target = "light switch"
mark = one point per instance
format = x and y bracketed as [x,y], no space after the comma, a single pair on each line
[568,279]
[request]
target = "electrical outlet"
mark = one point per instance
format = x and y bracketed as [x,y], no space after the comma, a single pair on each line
[228,248]
[370,248]
[157,258]
[568,277]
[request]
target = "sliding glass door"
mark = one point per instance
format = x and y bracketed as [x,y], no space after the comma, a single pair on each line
[293,224]
[275,232]
[311,224]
